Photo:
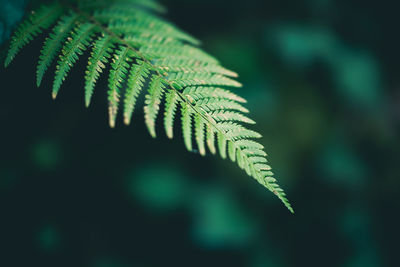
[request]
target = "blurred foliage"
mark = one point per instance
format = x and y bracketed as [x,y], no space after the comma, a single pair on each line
[46,154]
[321,79]
[163,188]
[48,238]
[220,221]
[356,73]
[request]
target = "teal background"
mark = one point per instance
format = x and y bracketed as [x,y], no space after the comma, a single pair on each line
[321,80]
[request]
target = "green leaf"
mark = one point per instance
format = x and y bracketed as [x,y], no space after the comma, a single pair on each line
[152,103]
[32,26]
[199,133]
[74,47]
[187,126]
[171,103]
[136,80]
[119,69]
[53,43]
[100,55]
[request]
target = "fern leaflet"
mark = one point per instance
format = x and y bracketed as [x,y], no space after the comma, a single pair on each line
[171,103]
[100,55]
[137,77]
[152,103]
[75,46]
[53,43]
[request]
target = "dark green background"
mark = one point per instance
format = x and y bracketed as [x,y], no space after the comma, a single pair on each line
[321,80]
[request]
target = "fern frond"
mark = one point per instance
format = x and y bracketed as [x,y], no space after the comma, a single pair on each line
[213,104]
[232,151]
[37,21]
[136,80]
[190,65]
[119,69]
[236,131]
[252,151]
[75,46]
[153,23]
[187,126]
[53,43]
[258,160]
[138,41]
[210,137]
[176,51]
[199,133]
[100,55]
[152,103]
[171,103]
[223,115]
[222,142]
[200,92]
[146,53]
[249,144]
[181,80]
[133,21]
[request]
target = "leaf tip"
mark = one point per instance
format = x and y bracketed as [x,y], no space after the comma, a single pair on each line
[127,121]
[87,103]
[291,209]
[7,62]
